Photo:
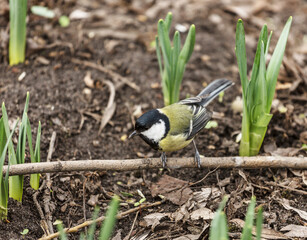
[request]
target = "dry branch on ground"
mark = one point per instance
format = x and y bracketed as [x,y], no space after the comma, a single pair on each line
[148,163]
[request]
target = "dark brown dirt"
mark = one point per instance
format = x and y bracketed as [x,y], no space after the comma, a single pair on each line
[58,101]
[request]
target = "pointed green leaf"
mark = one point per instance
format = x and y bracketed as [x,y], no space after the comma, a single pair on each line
[260,91]
[4,182]
[158,52]
[259,222]
[34,178]
[241,57]
[164,42]
[109,222]
[249,219]
[92,228]
[168,21]
[2,136]
[275,62]
[268,45]
[188,46]
[218,228]
[263,36]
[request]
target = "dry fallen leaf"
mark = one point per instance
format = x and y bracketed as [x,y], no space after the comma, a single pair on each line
[286,205]
[173,189]
[266,233]
[202,196]
[181,213]
[188,237]
[110,109]
[202,213]
[153,219]
[296,231]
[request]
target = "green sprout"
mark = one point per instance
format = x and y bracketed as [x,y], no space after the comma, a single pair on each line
[106,228]
[258,92]
[174,60]
[219,228]
[4,143]
[17,45]
[18,157]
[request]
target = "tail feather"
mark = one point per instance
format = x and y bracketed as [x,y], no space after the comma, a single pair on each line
[213,89]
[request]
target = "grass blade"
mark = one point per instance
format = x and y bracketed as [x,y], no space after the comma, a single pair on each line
[219,229]
[241,56]
[164,42]
[17,45]
[188,46]
[275,63]
[34,178]
[16,182]
[92,228]
[268,45]
[2,136]
[259,222]
[168,21]
[60,228]
[249,219]
[251,91]
[109,222]
[260,90]
[158,52]
[4,183]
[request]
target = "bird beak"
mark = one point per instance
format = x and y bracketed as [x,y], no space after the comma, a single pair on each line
[133,134]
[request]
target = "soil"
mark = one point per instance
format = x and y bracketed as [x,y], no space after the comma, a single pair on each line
[57,98]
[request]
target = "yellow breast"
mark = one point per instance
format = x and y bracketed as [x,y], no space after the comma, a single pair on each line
[174,143]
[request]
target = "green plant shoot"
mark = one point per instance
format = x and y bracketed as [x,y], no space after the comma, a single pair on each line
[258,92]
[16,182]
[4,143]
[35,155]
[17,45]
[109,223]
[219,228]
[174,59]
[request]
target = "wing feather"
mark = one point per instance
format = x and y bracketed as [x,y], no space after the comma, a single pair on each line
[201,116]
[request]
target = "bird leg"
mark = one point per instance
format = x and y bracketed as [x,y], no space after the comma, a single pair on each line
[197,156]
[163,159]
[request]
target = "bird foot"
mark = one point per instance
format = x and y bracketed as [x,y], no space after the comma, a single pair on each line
[163,159]
[197,158]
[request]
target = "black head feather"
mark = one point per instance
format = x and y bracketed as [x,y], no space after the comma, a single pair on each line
[147,120]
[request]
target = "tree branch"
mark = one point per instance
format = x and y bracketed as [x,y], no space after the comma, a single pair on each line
[148,163]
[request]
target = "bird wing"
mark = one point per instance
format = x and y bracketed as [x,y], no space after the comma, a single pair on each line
[200,116]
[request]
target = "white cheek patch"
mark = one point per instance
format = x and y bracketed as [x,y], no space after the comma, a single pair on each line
[156,132]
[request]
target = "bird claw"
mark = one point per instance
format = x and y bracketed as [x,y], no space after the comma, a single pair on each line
[197,156]
[197,159]
[163,159]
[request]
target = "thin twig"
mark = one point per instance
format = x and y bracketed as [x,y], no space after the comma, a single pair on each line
[134,221]
[46,197]
[204,178]
[149,163]
[40,210]
[84,209]
[115,76]
[100,219]
[286,187]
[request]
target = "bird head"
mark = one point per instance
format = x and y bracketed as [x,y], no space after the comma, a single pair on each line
[152,125]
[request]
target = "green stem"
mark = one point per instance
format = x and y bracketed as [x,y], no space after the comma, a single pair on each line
[18,13]
[257,134]
[245,141]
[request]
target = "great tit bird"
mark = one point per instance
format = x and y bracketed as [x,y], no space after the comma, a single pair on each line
[174,127]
